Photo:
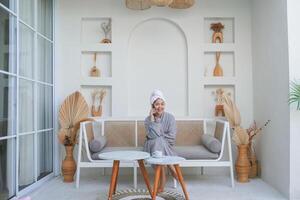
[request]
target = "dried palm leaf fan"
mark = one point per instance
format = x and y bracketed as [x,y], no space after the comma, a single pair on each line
[73,111]
[138,4]
[182,4]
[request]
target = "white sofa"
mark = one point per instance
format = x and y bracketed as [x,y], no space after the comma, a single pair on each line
[129,134]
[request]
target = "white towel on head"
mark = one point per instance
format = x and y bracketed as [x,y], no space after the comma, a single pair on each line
[156,94]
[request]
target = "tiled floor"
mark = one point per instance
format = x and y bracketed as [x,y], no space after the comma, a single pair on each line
[199,187]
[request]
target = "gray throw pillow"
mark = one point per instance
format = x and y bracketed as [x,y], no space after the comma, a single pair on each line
[96,145]
[211,143]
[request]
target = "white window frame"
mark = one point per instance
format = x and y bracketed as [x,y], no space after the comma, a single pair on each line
[17,76]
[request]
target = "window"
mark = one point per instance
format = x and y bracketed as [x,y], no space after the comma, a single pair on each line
[26,94]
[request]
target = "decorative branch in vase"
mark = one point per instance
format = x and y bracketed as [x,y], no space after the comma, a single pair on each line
[253,131]
[106,28]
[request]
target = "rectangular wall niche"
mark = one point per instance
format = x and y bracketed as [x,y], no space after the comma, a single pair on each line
[106,104]
[103,64]
[210,98]
[228,31]
[91,30]
[227,62]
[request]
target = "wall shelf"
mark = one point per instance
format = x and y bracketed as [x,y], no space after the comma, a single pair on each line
[96,81]
[219,47]
[100,47]
[219,81]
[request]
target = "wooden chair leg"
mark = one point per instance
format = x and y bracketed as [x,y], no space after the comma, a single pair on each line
[181,181]
[145,176]
[156,180]
[113,178]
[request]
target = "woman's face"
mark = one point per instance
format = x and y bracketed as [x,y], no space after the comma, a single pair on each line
[159,106]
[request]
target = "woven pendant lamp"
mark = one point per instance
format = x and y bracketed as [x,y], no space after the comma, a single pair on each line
[138,4]
[161,3]
[182,4]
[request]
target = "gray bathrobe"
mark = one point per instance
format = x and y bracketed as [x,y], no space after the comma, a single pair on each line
[161,134]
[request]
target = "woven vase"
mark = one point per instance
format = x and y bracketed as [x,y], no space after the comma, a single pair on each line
[242,164]
[68,165]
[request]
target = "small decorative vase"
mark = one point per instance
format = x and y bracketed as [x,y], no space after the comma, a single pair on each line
[253,161]
[105,41]
[68,165]
[218,71]
[219,110]
[95,72]
[97,112]
[242,164]
[218,34]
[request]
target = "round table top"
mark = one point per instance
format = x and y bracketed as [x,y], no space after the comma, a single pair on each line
[165,160]
[124,155]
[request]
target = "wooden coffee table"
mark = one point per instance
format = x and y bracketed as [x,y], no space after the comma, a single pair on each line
[163,161]
[118,156]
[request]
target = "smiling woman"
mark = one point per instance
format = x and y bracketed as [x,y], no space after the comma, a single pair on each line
[161,132]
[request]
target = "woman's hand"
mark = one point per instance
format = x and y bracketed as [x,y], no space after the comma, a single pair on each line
[151,114]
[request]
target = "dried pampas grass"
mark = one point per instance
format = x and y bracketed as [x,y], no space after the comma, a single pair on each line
[240,135]
[231,111]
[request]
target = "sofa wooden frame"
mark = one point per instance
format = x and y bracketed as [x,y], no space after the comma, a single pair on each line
[83,140]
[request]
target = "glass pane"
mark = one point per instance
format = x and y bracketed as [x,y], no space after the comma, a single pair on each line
[11,4]
[44,107]
[26,9]
[26,51]
[44,10]
[26,106]
[8,45]
[26,161]
[44,66]
[7,105]
[7,168]
[45,153]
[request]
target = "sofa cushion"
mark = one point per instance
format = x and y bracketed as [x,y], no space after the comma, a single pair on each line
[195,152]
[98,144]
[108,149]
[211,143]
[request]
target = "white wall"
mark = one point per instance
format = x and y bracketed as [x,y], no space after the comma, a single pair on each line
[186,25]
[294,62]
[270,89]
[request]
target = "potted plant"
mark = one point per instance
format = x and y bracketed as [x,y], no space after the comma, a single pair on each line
[246,164]
[72,112]
[295,94]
